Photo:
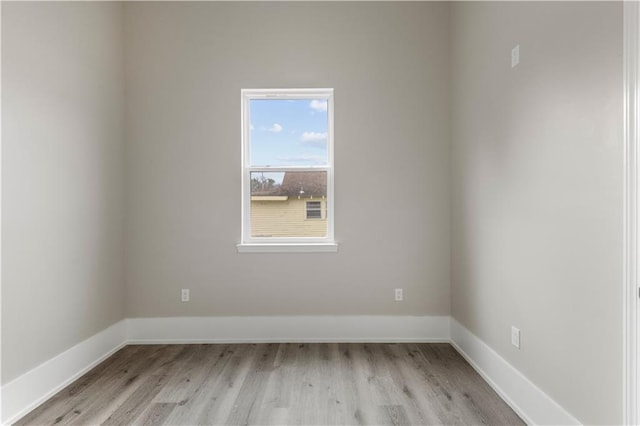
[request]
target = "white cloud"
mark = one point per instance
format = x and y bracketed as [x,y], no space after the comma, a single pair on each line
[318,105]
[276,128]
[313,137]
[317,140]
[306,159]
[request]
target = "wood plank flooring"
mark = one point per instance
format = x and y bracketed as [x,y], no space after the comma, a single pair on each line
[278,384]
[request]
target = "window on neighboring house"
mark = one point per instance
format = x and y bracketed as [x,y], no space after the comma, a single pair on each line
[314,210]
[287,157]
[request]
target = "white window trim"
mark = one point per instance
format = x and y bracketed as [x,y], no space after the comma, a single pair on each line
[288,248]
[250,244]
[631,302]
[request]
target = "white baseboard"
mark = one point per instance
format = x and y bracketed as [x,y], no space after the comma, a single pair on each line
[533,405]
[31,389]
[34,387]
[289,329]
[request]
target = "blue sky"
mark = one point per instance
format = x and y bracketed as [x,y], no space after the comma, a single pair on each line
[287,132]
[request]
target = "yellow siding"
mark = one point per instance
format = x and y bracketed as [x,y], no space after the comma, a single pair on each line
[286,219]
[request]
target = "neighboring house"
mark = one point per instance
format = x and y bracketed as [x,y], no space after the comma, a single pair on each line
[295,208]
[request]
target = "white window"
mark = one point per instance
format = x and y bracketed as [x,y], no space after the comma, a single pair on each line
[287,170]
[314,209]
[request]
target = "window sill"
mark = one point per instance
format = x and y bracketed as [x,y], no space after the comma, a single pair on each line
[288,248]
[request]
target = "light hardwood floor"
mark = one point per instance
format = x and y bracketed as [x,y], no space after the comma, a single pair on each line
[278,384]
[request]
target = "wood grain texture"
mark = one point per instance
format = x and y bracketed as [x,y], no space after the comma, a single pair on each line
[278,384]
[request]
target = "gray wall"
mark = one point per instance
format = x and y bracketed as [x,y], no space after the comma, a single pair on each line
[535,160]
[185,66]
[537,193]
[62,167]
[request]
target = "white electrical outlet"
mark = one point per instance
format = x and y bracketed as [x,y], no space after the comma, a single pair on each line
[515,337]
[185,295]
[515,56]
[398,295]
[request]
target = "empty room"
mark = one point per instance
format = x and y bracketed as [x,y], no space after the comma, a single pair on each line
[319,213]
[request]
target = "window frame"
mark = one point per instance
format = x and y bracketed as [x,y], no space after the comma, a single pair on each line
[284,244]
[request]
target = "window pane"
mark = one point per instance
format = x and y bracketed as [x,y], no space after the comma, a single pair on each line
[288,132]
[280,204]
